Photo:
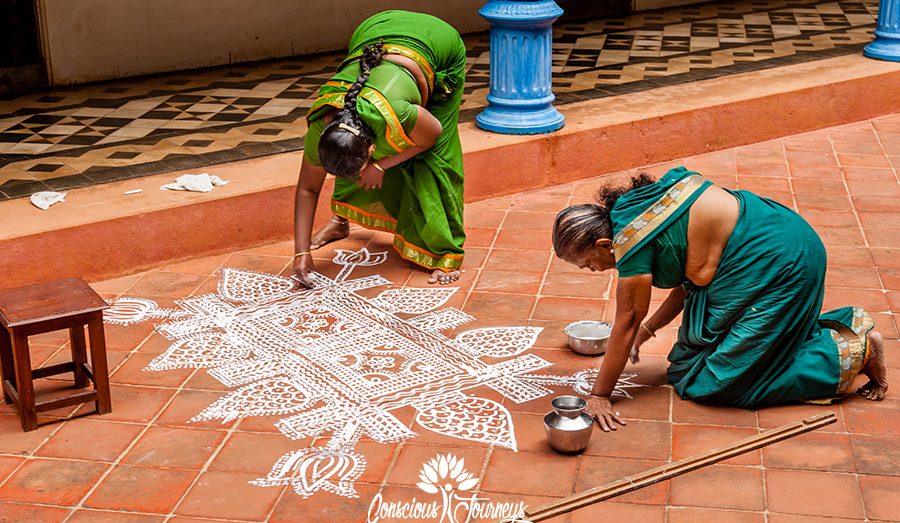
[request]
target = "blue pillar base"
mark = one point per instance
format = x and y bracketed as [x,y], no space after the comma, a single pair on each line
[884,48]
[510,121]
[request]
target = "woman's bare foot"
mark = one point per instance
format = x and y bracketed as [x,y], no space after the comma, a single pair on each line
[875,370]
[439,276]
[335,229]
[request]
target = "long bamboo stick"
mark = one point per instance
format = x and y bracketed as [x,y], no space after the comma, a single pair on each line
[655,475]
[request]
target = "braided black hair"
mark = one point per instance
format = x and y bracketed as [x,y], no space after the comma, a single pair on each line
[344,144]
[578,227]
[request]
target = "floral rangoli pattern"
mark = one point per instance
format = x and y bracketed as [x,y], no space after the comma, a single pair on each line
[335,364]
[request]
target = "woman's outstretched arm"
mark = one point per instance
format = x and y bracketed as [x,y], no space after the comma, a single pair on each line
[308,188]
[632,304]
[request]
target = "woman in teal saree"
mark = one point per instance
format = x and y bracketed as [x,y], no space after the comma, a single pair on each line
[748,275]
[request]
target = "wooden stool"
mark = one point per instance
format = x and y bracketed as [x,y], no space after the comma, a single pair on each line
[63,304]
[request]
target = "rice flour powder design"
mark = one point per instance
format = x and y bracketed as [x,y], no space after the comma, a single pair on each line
[336,365]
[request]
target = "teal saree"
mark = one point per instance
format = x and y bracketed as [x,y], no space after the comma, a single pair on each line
[754,336]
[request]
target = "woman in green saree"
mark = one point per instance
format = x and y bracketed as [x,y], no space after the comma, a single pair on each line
[386,126]
[748,275]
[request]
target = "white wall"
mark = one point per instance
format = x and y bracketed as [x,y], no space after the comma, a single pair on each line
[87,40]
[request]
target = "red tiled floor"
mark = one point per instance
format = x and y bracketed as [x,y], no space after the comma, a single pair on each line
[8,464]
[795,518]
[135,404]
[172,447]
[90,439]
[612,511]
[27,513]
[693,412]
[133,372]
[254,453]
[101,516]
[813,493]
[164,283]
[865,417]
[516,282]
[720,486]
[56,481]
[160,489]
[187,404]
[14,441]
[876,454]
[536,473]
[689,440]
[595,471]
[704,515]
[513,278]
[324,507]
[640,439]
[881,496]
[649,403]
[488,305]
[813,451]
[569,309]
[228,495]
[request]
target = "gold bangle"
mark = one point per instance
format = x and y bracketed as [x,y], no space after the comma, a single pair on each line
[646,328]
[301,253]
[376,165]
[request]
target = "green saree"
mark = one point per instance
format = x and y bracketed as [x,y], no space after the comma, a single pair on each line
[421,200]
[753,336]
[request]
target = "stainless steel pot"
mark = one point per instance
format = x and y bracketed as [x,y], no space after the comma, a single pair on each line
[588,337]
[568,427]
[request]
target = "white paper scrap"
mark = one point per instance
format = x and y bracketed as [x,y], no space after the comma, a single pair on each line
[44,199]
[194,182]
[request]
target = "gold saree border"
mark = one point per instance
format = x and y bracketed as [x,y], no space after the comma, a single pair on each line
[394,134]
[407,251]
[852,347]
[641,227]
[401,50]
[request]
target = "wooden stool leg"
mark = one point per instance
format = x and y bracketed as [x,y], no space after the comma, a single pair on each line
[79,355]
[7,364]
[98,362]
[24,382]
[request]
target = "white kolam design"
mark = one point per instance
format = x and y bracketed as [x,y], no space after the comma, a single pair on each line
[335,365]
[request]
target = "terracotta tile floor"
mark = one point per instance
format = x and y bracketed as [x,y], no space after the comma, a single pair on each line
[146,462]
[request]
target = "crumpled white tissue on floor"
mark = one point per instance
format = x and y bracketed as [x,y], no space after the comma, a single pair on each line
[195,182]
[44,199]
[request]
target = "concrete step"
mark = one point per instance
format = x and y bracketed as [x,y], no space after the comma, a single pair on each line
[99,232]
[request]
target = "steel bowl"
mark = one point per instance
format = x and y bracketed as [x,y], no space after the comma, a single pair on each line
[588,337]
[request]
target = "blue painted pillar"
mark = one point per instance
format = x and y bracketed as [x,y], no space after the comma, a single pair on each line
[886,45]
[521,95]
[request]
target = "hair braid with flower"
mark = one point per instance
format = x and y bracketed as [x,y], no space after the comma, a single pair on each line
[344,144]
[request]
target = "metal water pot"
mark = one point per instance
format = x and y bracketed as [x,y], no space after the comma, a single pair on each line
[568,427]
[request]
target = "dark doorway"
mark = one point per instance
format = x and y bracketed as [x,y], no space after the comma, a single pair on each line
[580,9]
[21,64]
